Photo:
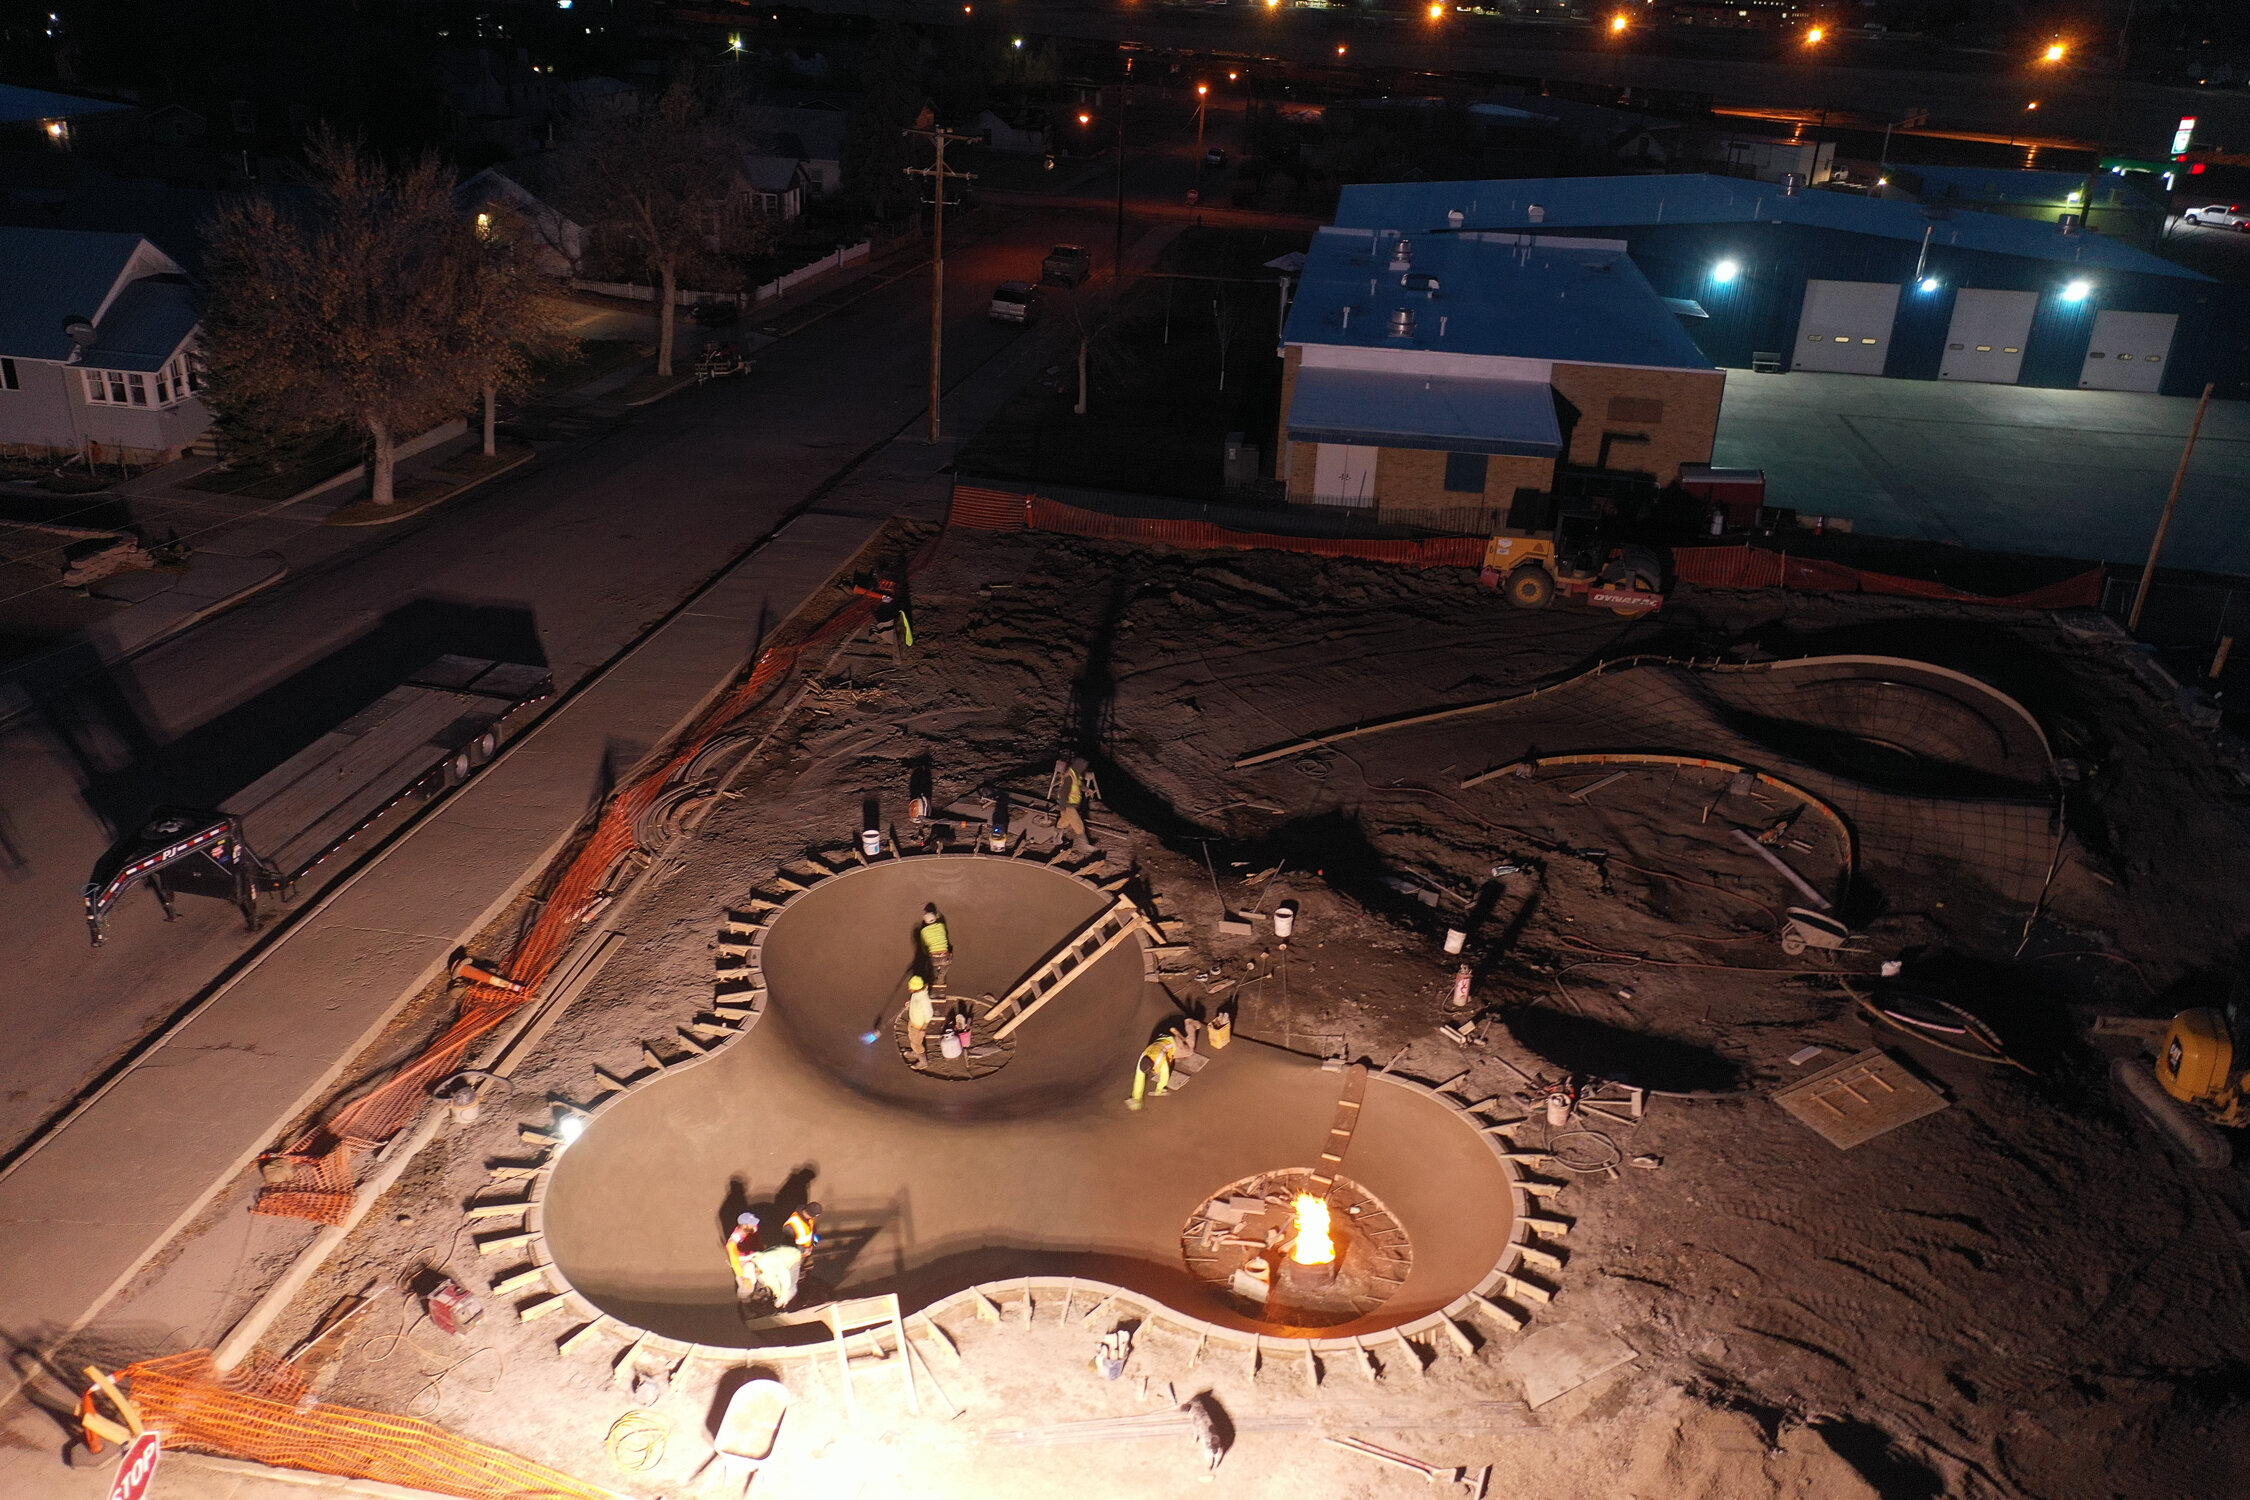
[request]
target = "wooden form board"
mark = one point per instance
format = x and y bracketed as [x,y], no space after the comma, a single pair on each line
[1860,1098]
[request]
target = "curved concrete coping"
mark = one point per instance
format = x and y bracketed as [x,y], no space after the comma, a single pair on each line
[1035,1180]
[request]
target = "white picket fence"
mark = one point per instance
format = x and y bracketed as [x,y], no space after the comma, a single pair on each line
[633,292]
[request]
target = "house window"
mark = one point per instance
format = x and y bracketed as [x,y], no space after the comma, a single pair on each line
[1464,473]
[1635,409]
[8,376]
[115,388]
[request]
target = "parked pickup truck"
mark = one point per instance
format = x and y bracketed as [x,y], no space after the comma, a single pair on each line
[1067,264]
[1014,302]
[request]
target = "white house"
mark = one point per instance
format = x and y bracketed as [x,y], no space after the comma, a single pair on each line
[819,129]
[773,187]
[1026,132]
[501,192]
[97,347]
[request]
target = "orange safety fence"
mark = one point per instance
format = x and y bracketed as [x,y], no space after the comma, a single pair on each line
[263,1412]
[315,1175]
[1742,566]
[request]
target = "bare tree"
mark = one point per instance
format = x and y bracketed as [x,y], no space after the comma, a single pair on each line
[659,186]
[507,321]
[347,313]
[1097,319]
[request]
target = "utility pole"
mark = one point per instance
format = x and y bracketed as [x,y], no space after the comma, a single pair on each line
[2171,503]
[2109,119]
[939,175]
[1118,254]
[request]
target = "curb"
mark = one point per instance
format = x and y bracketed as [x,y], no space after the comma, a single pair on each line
[408,513]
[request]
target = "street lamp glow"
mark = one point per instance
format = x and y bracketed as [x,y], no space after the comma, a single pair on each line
[1816,36]
[2055,53]
[2078,291]
[1018,42]
[1437,10]
[1725,271]
[1202,89]
[2034,104]
[1618,23]
[1085,119]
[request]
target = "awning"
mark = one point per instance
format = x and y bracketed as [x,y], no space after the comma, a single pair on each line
[1381,409]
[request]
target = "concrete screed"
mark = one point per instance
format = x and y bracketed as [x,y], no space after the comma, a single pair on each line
[930,1186]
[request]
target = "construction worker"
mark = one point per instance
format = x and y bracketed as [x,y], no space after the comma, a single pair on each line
[937,945]
[921,1010]
[1070,814]
[745,1242]
[804,1226]
[1155,1062]
[758,1269]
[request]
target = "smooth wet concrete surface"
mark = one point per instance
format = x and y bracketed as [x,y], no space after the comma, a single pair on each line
[928,1187]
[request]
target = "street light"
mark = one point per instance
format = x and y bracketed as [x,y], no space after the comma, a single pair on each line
[1618,23]
[2055,53]
[1816,36]
[1437,10]
[1929,283]
[1725,271]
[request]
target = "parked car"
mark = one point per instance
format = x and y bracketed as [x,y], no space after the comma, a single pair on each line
[2222,215]
[713,314]
[1067,264]
[1014,302]
[1214,157]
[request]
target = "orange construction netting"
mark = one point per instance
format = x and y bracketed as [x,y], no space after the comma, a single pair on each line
[315,1175]
[263,1412]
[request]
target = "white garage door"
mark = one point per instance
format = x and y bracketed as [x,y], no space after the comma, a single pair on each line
[1344,474]
[1846,327]
[2128,351]
[1988,334]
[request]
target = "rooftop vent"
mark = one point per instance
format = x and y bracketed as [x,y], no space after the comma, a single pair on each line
[1454,218]
[1420,281]
[1792,184]
[1402,253]
[1402,322]
[1537,213]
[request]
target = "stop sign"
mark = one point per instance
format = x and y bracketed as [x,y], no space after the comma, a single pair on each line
[138,1468]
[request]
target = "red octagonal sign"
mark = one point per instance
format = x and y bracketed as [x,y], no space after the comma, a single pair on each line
[138,1468]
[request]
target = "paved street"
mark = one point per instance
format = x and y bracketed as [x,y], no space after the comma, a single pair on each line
[563,562]
[1997,468]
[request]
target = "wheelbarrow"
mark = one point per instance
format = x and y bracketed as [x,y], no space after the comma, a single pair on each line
[1807,928]
[747,1432]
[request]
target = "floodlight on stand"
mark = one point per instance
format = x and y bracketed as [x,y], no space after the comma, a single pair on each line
[1725,271]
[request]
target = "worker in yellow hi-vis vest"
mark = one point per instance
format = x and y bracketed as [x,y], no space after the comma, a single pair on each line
[1077,782]
[937,946]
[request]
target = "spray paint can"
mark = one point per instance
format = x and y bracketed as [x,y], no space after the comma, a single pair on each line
[1461,988]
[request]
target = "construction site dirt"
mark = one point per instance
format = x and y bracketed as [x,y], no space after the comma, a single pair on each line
[2016,1295]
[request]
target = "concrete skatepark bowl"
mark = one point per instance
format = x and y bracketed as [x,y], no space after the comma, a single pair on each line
[931,1185]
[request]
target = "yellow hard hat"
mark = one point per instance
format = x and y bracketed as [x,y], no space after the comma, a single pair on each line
[916,982]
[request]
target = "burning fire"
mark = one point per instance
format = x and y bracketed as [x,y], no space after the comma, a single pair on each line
[1314,1245]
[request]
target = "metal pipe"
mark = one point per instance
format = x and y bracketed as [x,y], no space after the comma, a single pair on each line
[1803,886]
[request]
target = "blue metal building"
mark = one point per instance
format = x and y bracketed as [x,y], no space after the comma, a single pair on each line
[1835,281]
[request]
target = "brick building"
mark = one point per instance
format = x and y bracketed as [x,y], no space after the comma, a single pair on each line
[1428,379]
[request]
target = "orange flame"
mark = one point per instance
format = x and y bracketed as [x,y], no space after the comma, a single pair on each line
[1314,1245]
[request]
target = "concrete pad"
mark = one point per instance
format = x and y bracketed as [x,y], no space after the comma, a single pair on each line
[1560,1358]
[1999,468]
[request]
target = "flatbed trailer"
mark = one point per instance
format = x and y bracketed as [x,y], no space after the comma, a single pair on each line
[418,740]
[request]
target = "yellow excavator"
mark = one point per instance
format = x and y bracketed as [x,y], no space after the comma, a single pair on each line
[2201,1082]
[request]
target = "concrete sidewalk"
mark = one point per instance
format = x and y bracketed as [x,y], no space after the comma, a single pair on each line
[172,1141]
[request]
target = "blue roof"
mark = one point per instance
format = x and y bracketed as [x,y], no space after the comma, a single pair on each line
[1573,204]
[19,106]
[145,326]
[1520,296]
[1382,409]
[48,275]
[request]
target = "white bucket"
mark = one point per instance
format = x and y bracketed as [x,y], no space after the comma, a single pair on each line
[1285,919]
[1455,939]
[871,841]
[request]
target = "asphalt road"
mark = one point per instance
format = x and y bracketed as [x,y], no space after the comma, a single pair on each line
[564,562]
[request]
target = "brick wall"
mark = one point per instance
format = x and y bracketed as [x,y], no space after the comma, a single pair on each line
[1676,410]
[1413,480]
[1289,464]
